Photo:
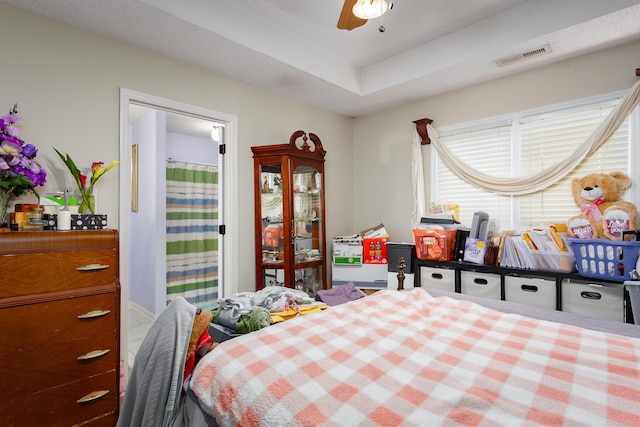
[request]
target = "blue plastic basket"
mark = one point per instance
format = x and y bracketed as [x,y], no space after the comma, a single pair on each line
[605,259]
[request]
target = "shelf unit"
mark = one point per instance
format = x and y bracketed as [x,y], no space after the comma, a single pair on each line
[290,232]
[562,291]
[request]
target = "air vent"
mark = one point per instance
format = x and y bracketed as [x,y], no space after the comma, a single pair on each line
[508,60]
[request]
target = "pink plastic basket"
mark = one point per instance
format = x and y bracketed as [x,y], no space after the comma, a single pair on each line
[605,259]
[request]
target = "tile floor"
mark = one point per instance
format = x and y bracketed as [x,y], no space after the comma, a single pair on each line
[139,324]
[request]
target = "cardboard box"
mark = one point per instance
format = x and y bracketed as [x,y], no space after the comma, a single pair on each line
[347,251]
[375,251]
[88,222]
[79,222]
[24,207]
[377,231]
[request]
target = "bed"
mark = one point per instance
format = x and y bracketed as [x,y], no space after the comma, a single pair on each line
[425,357]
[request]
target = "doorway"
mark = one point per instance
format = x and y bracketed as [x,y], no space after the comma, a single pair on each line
[142,216]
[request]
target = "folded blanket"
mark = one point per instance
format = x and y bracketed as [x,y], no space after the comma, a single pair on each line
[339,294]
[277,298]
[256,318]
[200,342]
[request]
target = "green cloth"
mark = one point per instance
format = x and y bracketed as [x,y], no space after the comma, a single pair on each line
[257,318]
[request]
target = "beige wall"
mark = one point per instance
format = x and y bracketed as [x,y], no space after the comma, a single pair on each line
[382,156]
[67,81]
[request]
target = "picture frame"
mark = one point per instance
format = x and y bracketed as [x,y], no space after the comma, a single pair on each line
[134,178]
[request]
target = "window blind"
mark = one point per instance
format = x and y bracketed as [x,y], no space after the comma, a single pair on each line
[527,144]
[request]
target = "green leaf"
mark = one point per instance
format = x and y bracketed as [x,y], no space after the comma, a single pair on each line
[75,172]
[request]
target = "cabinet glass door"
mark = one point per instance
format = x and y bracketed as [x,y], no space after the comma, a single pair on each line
[273,238]
[290,242]
[307,226]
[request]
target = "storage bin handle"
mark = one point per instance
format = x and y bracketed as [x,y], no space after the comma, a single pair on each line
[529,288]
[591,295]
[479,281]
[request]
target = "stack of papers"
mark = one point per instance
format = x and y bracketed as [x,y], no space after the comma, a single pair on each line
[516,253]
[536,249]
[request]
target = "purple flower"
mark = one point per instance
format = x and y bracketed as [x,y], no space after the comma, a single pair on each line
[18,168]
[29,151]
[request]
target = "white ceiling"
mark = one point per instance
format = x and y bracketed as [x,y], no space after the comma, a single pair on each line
[293,47]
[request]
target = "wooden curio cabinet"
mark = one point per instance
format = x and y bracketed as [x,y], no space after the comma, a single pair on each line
[290,214]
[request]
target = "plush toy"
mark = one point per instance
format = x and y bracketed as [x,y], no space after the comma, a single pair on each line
[603,214]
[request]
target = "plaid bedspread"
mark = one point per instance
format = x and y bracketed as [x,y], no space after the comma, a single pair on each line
[407,358]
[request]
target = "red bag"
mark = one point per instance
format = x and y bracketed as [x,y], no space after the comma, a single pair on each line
[434,244]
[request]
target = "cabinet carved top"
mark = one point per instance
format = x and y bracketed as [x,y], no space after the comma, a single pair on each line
[301,144]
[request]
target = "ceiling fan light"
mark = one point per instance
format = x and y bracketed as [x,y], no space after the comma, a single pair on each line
[369,9]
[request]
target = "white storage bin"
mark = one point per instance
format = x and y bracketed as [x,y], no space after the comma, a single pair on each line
[593,299]
[534,291]
[485,285]
[438,278]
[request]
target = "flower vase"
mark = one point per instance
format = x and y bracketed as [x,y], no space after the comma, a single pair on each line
[87,205]
[5,197]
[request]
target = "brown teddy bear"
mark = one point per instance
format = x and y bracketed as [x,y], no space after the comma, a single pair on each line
[602,215]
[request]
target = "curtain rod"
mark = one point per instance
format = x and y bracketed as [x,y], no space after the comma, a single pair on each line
[172,160]
[421,124]
[421,128]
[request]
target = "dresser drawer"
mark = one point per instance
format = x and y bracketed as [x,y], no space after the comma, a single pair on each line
[54,271]
[59,406]
[49,341]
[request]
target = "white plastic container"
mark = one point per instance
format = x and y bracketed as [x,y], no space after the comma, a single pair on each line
[633,287]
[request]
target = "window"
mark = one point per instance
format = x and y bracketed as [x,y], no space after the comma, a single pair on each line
[526,143]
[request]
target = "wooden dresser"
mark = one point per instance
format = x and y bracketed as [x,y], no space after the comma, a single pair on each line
[60,328]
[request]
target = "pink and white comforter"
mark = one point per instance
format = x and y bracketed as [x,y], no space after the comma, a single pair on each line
[407,358]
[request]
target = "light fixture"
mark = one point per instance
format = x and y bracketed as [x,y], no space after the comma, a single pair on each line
[368,9]
[215,132]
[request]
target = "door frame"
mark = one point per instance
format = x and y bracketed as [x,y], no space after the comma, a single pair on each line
[228,246]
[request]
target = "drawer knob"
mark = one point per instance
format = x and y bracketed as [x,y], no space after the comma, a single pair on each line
[94,313]
[94,395]
[93,354]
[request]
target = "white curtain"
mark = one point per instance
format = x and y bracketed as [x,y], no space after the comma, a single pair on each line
[417,178]
[527,184]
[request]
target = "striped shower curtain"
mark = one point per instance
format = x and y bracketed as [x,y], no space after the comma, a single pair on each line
[192,233]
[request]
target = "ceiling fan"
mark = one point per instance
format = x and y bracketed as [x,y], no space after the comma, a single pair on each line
[356,13]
